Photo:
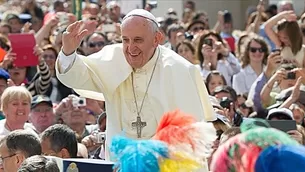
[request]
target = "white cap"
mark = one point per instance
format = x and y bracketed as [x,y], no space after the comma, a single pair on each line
[142,13]
[282,111]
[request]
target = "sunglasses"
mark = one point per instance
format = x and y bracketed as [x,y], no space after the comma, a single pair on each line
[195,29]
[96,44]
[261,50]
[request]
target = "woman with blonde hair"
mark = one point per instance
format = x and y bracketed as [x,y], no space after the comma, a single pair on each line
[16,107]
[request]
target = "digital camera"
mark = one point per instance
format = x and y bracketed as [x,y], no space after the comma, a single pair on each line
[100,137]
[79,101]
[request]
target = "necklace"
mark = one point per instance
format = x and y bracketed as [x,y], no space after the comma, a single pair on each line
[139,124]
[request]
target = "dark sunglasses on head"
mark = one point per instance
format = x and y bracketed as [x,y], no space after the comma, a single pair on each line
[195,29]
[261,50]
[94,44]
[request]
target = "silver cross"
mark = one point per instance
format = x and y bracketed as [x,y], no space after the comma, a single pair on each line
[139,125]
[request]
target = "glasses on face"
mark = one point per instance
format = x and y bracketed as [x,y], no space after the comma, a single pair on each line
[37,110]
[5,157]
[253,50]
[96,44]
[48,56]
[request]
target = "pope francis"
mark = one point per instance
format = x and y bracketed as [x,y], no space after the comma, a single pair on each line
[139,79]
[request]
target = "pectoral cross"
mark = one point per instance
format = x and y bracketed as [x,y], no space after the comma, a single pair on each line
[139,125]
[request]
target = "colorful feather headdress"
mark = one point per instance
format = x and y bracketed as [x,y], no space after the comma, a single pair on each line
[241,151]
[138,155]
[180,144]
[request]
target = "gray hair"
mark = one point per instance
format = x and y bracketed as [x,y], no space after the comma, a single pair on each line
[38,163]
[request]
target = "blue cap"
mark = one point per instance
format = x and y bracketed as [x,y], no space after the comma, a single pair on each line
[281,158]
[4,74]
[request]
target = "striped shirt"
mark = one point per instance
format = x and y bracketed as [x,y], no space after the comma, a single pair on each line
[41,81]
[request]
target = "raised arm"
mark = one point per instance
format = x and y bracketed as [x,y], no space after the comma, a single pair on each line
[73,70]
[45,31]
[265,94]
[269,26]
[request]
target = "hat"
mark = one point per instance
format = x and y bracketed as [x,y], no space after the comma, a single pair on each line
[41,99]
[281,158]
[280,111]
[4,74]
[142,13]
[195,22]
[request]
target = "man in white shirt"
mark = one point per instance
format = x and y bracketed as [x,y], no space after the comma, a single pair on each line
[139,79]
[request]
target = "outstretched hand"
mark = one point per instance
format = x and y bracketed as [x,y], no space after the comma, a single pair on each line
[74,35]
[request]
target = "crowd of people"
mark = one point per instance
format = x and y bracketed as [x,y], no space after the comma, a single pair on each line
[221,75]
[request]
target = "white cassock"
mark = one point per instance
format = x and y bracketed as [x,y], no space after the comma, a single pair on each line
[106,75]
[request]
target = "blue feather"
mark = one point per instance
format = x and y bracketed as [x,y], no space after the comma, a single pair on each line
[137,155]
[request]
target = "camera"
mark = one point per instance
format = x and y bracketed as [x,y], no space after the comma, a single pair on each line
[291,75]
[225,102]
[188,36]
[208,42]
[79,101]
[100,137]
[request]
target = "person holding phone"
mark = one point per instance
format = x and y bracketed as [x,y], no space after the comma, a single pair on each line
[214,54]
[288,37]
[281,80]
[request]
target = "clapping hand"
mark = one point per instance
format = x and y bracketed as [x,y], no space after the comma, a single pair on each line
[74,35]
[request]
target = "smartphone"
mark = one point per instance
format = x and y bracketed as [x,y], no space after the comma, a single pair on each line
[208,42]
